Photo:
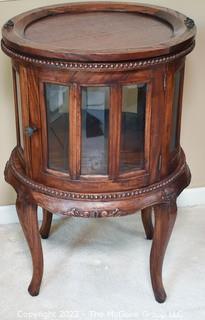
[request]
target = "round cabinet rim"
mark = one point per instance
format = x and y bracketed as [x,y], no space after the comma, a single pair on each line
[177,33]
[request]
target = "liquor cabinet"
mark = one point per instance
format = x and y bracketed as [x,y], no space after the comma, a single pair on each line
[98,101]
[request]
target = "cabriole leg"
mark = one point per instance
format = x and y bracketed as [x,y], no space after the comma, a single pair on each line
[146,215]
[46,224]
[165,216]
[27,213]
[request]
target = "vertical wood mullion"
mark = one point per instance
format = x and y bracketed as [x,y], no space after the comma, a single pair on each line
[74,150]
[34,110]
[168,102]
[43,125]
[181,86]
[148,118]
[25,115]
[157,124]
[169,105]
[115,131]
[16,107]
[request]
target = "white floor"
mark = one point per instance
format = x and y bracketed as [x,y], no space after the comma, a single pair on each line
[99,269]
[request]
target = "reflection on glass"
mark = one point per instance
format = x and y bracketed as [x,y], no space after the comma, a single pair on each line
[133,127]
[18,92]
[95,119]
[57,107]
[175,112]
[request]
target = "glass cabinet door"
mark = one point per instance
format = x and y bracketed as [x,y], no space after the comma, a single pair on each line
[57,109]
[95,122]
[92,128]
[133,127]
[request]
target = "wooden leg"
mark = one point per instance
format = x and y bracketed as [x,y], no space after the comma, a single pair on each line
[165,216]
[146,215]
[46,224]
[27,214]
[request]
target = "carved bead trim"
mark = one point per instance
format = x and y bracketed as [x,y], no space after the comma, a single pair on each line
[189,23]
[74,212]
[97,66]
[92,196]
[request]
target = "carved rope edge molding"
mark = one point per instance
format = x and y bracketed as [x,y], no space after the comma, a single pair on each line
[83,196]
[97,66]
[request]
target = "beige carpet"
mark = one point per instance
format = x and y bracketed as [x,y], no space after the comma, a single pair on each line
[99,269]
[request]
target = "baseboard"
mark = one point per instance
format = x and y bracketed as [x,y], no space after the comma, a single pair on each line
[189,197]
[192,197]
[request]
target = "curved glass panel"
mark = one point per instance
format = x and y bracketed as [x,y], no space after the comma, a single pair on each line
[95,122]
[19,106]
[57,109]
[133,127]
[175,112]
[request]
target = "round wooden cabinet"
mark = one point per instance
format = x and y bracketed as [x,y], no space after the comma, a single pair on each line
[98,96]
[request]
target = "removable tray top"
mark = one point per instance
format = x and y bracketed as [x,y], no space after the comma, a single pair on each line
[101,31]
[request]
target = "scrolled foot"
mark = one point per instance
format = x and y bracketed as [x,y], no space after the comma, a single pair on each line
[160,295]
[33,291]
[165,216]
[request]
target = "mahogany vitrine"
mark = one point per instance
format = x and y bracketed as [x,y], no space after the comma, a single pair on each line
[98,99]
